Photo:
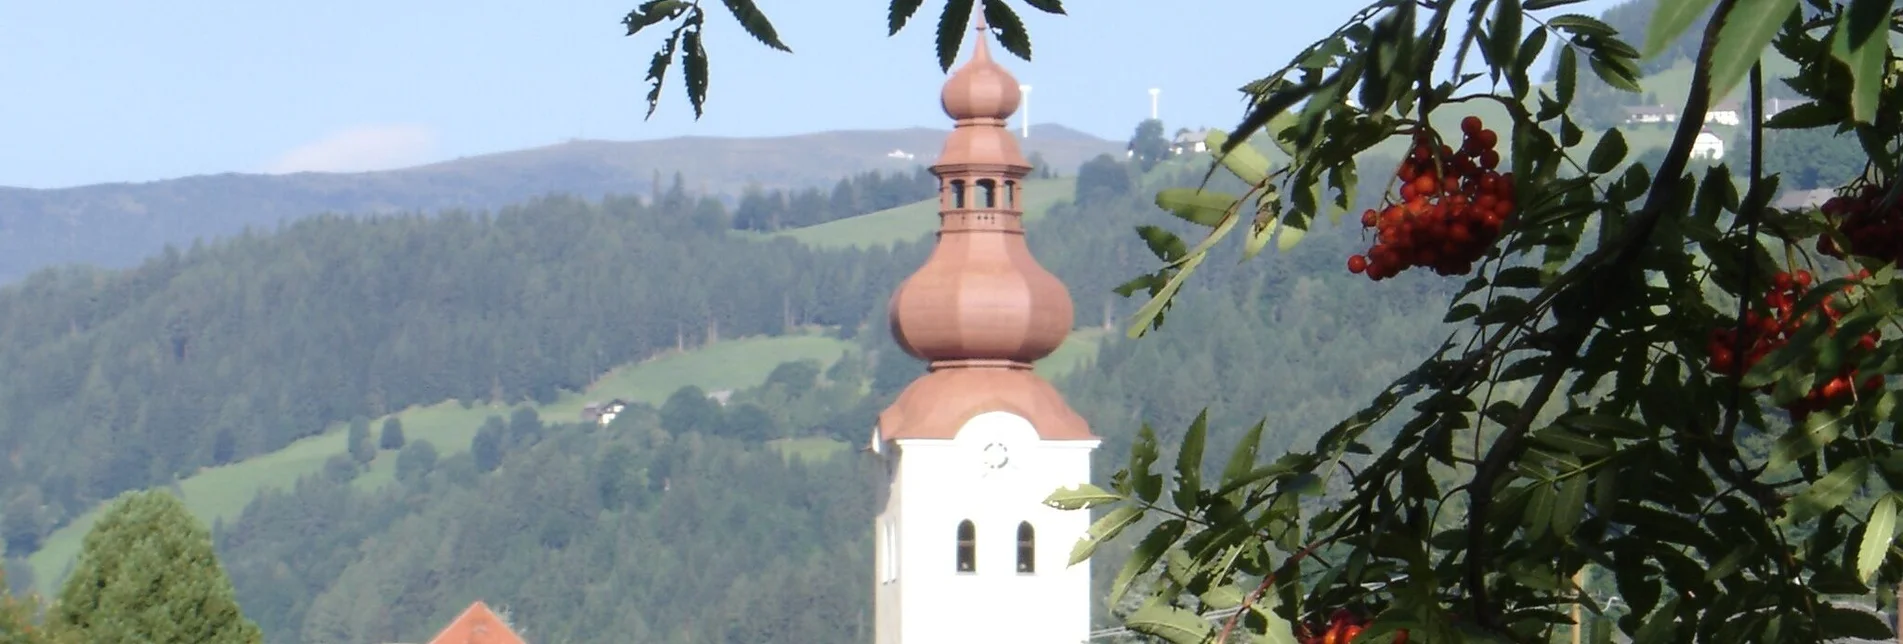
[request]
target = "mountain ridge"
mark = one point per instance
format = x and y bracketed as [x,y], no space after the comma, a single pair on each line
[116,225]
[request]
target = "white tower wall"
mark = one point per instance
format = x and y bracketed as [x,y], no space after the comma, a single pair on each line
[937,484]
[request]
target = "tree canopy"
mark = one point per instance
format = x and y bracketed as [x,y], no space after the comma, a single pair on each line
[1656,375]
[147,574]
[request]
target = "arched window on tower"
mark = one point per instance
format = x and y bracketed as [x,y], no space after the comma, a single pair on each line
[988,193]
[1027,548]
[967,546]
[958,193]
[1010,194]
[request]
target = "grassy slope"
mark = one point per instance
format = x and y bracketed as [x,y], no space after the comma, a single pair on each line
[223,492]
[916,220]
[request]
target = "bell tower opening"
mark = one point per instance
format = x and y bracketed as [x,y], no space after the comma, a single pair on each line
[967,547]
[1027,548]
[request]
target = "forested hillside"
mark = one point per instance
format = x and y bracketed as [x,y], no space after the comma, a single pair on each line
[121,224]
[577,529]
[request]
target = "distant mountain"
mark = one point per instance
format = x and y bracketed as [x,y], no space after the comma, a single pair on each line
[118,224]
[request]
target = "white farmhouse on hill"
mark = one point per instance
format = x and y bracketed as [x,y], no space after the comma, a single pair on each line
[1726,113]
[1708,146]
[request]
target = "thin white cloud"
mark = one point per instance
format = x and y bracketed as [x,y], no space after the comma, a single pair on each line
[360,149]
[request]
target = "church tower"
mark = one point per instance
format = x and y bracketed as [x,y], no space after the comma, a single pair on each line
[966,549]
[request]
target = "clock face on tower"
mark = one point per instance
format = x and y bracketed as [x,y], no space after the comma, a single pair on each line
[996,456]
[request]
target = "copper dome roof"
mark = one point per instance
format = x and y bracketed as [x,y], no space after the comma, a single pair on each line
[980,309]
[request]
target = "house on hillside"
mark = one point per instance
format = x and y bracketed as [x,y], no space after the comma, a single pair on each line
[1645,114]
[900,155]
[478,625]
[602,413]
[1190,141]
[1708,146]
[721,396]
[1727,113]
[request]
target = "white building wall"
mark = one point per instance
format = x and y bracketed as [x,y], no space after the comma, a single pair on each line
[942,482]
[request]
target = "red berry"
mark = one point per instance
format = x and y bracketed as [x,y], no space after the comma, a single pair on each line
[1357,264]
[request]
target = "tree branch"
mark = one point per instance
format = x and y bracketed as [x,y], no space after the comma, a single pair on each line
[1575,326]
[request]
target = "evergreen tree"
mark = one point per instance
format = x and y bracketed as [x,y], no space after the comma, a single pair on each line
[392,437]
[147,575]
[359,437]
[415,461]
[486,447]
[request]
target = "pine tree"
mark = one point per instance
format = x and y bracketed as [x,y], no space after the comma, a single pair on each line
[359,441]
[392,437]
[147,574]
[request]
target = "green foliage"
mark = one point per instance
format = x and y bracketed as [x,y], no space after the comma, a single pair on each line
[358,440]
[1496,487]
[415,461]
[147,575]
[391,435]
[1147,146]
[685,41]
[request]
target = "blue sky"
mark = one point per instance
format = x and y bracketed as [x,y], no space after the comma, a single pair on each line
[124,90]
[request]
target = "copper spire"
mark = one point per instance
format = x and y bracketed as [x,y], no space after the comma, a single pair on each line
[981,309]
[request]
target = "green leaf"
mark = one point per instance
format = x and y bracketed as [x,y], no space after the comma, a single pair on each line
[901,13]
[1105,529]
[1659,627]
[1535,5]
[1616,426]
[1518,277]
[1288,238]
[1196,205]
[1248,163]
[1242,458]
[1083,496]
[1608,153]
[952,24]
[1879,531]
[1047,6]
[1566,78]
[1147,553]
[1742,39]
[1580,24]
[1827,493]
[1189,464]
[1010,29]
[1805,116]
[1569,505]
[694,61]
[1866,57]
[1177,625]
[1842,623]
[755,23]
[1670,20]
[651,13]
[1164,244]
[657,70]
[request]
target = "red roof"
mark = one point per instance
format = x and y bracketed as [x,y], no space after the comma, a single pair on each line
[478,625]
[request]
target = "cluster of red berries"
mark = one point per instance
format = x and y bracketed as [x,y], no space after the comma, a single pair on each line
[1762,334]
[1873,231]
[1453,205]
[1342,628]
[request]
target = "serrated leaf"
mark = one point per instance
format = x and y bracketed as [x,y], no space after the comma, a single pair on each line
[1866,57]
[657,70]
[1827,493]
[649,14]
[1742,39]
[1047,6]
[1669,21]
[1616,75]
[1608,153]
[1535,5]
[694,68]
[1195,205]
[1837,622]
[1009,28]
[1879,531]
[1177,625]
[1288,237]
[1518,277]
[1083,496]
[1105,529]
[1189,464]
[951,31]
[1580,24]
[1805,116]
[756,23]
[1246,162]
[1148,551]
[901,13]
[1566,78]
[1242,458]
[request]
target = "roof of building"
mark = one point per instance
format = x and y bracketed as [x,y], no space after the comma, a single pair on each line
[477,625]
[981,310]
